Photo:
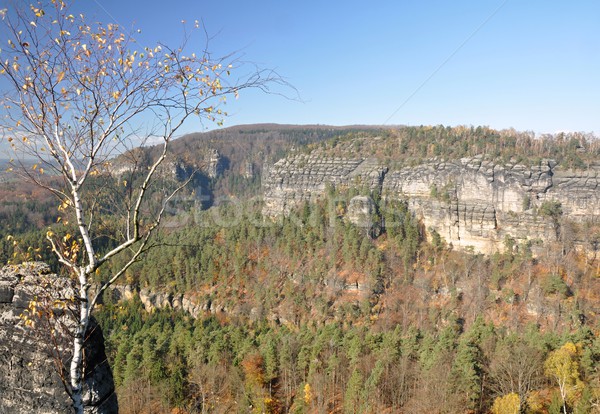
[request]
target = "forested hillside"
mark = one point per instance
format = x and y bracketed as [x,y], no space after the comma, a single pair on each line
[313,312]
[243,151]
[413,145]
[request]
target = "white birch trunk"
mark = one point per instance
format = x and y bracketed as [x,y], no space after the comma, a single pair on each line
[76,368]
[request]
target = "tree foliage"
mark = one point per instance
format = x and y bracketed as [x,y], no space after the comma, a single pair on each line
[507,404]
[78,93]
[563,367]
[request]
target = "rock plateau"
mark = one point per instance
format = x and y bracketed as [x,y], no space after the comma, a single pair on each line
[471,202]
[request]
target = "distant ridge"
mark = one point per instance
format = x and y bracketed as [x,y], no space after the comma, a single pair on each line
[275,126]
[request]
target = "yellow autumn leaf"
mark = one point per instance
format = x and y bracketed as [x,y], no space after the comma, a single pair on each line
[60,76]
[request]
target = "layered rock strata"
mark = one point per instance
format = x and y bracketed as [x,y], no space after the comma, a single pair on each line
[291,181]
[469,202]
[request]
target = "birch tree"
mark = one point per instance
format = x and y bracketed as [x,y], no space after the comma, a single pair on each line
[562,365]
[75,95]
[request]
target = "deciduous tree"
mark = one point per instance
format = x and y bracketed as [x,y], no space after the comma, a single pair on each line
[77,94]
[516,369]
[507,404]
[562,366]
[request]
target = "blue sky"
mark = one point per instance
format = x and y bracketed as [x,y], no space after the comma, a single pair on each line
[528,64]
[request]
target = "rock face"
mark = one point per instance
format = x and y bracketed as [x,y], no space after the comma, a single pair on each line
[291,181]
[361,210]
[248,170]
[469,202]
[31,352]
[153,300]
[214,164]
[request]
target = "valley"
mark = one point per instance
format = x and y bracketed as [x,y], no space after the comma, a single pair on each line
[321,269]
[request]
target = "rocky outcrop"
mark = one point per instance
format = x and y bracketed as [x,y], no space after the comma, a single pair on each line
[214,164]
[154,300]
[474,202]
[248,170]
[34,309]
[291,181]
[469,202]
[361,212]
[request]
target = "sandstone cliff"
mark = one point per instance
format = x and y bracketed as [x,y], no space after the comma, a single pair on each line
[291,181]
[469,202]
[153,300]
[30,354]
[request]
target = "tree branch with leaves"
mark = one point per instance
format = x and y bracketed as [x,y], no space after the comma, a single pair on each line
[77,94]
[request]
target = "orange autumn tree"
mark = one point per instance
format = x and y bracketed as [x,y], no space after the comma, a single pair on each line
[75,94]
